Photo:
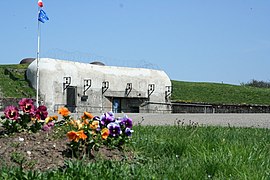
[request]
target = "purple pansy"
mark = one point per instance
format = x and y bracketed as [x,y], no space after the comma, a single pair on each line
[11,112]
[114,129]
[126,122]
[106,118]
[97,118]
[128,131]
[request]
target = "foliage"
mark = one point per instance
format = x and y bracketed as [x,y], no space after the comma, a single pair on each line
[176,152]
[90,132]
[217,93]
[257,83]
[28,118]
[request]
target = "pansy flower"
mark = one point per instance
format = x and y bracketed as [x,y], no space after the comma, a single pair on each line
[105,133]
[126,122]
[76,136]
[85,122]
[114,129]
[82,135]
[76,123]
[107,118]
[72,136]
[27,105]
[46,128]
[128,131]
[63,111]
[11,112]
[51,124]
[41,112]
[94,125]
[96,118]
[50,118]
[87,115]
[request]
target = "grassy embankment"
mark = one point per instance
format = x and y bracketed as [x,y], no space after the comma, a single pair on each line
[13,83]
[218,93]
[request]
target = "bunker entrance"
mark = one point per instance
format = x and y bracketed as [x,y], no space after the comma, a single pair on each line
[127,105]
[71,98]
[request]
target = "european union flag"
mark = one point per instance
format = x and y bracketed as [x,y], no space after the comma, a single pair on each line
[42,17]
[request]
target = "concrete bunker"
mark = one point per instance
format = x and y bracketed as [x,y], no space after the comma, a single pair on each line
[95,88]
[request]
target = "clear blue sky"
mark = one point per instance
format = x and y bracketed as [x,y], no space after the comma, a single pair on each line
[194,40]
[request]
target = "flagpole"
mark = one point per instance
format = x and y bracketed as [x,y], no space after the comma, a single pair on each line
[38,51]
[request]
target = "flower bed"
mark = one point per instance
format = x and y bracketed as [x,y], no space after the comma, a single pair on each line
[33,140]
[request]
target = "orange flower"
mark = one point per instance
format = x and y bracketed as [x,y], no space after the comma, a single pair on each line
[76,136]
[85,122]
[105,133]
[87,115]
[73,136]
[82,135]
[63,111]
[94,125]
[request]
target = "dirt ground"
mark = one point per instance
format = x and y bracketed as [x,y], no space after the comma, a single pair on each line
[42,151]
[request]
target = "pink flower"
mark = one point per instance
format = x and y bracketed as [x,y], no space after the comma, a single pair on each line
[27,105]
[11,112]
[50,124]
[46,128]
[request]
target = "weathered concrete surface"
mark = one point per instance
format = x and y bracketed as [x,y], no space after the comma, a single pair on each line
[107,82]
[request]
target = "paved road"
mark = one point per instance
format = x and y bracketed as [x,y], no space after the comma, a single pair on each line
[237,120]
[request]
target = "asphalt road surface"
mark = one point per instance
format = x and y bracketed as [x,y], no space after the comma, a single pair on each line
[233,120]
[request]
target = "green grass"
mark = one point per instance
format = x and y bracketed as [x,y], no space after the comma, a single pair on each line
[177,152]
[13,83]
[218,93]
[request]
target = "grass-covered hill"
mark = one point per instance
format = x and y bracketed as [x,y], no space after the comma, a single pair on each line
[13,84]
[218,93]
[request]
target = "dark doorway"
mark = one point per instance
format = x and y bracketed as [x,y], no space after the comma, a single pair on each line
[131,105]
[71,98]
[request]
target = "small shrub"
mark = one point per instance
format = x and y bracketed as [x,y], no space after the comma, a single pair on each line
[256,83]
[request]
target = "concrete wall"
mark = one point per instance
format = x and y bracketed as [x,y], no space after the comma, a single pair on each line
[218,108]
[96,98]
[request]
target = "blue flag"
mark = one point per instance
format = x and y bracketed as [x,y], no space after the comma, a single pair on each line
[42,17]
